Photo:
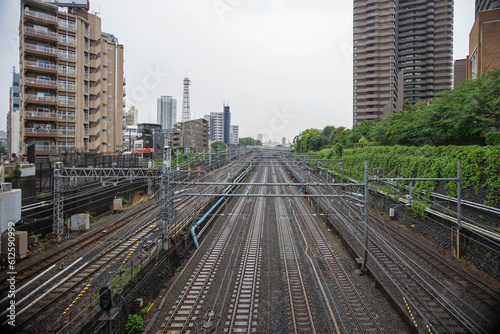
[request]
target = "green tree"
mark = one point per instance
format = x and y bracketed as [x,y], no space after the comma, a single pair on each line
[3,150]
[218,145]
[328,130]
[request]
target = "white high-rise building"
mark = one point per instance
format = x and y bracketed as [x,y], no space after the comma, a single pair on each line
[166,112]
[235,134]
[215,126]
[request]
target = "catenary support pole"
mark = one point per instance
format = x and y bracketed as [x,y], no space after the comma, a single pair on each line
[365,230]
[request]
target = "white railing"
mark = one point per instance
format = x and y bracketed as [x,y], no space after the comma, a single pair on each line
[86,76]
[66,70]
[87,32]
[86,118]
[67,40]
[66,85]
[40,32]
[66,117]
[42,147]
[86,104]
[40,114]
[66,132]
[40,131]
[86,89]
[67,24]
[31,63]
[34,97]
[39,15]
[40,48]
[86,133]
[67,55]
[35,81]
[66,101]
[66,146]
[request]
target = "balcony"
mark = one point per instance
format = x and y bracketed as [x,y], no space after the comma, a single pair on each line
[87,76]
[67,25]
[87,32]
[40,131]
[87,47]
[67,40]
[86,89]
[86,133]
[66,146]
[67,55]
[40,48]
[86,118]
[41,32]
[40,114]
[37,98]
[66,70]
[87,61]
[66,85]
[39,15]
[66,132]
[40,82]
[66,117]
[86,104]
[42,147]
[66,101]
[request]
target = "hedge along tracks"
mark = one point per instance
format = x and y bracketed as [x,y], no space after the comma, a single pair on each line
[181,317]
[45,303]
[301,319]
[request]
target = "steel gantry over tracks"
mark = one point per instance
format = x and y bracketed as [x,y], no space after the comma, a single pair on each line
[61,172]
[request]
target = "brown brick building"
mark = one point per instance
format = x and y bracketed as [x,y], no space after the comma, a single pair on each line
[484,43]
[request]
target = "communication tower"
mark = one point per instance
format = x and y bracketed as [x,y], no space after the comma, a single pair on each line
[186,109]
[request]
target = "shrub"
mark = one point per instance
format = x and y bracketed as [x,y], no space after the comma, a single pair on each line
[493,138]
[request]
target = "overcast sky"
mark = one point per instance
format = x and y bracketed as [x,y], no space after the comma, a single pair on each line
[282,65]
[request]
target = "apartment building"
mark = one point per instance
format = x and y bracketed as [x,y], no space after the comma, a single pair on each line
[216,126]
[484,43]
[166,112]
[13,119]
[402,50]
[235,134]
[227,124]
[482,5]
[71,80]
[192,133]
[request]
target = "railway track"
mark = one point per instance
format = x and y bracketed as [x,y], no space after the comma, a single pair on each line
[44,302]
[65,254]
[242,315]
[434,310]
[301,317]
[181,317]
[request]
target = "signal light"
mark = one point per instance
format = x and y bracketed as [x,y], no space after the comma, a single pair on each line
[105,301]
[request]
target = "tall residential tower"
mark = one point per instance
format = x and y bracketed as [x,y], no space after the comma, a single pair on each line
[402,51]
[71,80]
[166,112]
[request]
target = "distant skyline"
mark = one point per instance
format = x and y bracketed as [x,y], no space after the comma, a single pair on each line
[282,66]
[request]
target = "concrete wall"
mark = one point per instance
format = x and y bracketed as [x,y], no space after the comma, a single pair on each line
[10,208]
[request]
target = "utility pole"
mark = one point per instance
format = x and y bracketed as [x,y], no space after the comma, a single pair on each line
[166,213]
[365,230]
